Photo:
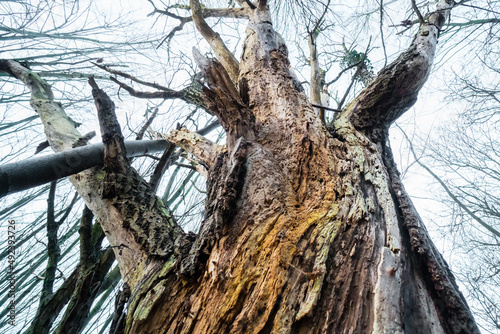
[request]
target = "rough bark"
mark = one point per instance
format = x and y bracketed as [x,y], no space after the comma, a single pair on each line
[134,220]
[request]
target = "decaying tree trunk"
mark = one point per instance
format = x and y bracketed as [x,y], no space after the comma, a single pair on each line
[305,230]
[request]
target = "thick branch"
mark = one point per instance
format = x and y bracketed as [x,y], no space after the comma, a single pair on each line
[455,316]
[396,87]
[59,128]
[49,311]
[151,224]
[317,82]
[121,299]
[44,320]
[115,155]
[86,290]
[417,11]
[86,245]
[227,59]
[61,133]
[36,171]
[53,249]
[234,13]
[162,166]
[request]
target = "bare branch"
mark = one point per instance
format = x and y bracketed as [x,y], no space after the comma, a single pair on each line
[144,128]
[249,3]
[396,87]
[342,72]
[192,94]
[463,206]
[33,172]
[227,59]
[163,94]
[128,76]
[59,127]
[52,249]
[317,76]
[381,26]
[162,166]
[115,156]
[354,77]
[326,108]
[417,11]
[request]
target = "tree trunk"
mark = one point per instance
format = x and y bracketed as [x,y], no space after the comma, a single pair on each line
[305,230]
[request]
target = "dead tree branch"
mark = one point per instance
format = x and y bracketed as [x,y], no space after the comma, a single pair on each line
[227,59]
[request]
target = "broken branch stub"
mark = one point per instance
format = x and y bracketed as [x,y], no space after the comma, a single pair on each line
[115,155]
[224,100]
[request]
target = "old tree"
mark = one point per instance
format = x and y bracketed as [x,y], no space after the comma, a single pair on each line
[307,226]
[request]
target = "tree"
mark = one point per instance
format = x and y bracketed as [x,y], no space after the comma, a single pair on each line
[307,227]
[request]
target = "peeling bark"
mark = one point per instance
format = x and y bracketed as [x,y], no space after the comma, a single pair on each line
[203,149]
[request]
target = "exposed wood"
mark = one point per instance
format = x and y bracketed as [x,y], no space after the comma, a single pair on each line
[303,232]
[224,100]
[136,223]
[142,213]
[223,54]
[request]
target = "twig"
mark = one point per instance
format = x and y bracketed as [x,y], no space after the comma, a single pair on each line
[320,106]
[417,11]
[250,4]
[358,70]
[382,30]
